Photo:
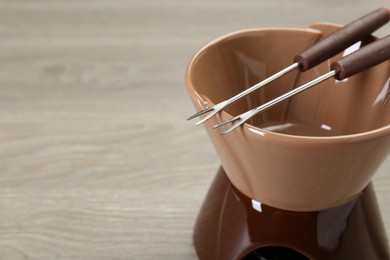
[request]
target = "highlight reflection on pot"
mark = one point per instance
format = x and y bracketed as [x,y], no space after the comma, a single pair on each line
[295,179]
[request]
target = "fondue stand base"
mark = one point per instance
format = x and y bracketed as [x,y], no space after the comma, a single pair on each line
[232,226]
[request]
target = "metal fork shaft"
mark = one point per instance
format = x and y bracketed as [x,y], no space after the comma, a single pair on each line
[220,106]
[245,116]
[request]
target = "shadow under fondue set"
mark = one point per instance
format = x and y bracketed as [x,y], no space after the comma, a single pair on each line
[294,181]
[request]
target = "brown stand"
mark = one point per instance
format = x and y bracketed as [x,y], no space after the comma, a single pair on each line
[228,227]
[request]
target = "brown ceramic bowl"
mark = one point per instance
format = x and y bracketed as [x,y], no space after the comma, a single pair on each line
[312,152]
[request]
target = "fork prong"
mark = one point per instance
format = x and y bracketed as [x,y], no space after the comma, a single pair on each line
[227,121]
[240,120]
[204,111]
[207,117]
[216,109]
[234,126]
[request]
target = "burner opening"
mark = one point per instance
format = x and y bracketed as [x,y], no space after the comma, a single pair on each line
[275,253]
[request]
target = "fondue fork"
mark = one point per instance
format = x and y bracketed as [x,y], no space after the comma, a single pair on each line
[317,53]
[364,58]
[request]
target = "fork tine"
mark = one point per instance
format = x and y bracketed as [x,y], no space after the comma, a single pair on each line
[207,117]
[216,109]
[227,121]
[204,111]
[241,119]
[234,126]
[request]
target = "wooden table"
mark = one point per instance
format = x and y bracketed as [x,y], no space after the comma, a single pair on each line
[96,159]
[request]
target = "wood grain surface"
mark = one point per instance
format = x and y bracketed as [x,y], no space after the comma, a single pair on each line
[96,158]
